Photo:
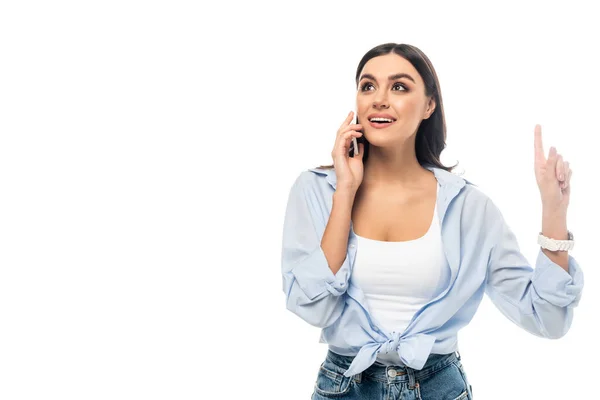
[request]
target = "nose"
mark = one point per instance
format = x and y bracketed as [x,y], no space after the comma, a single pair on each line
[380,100]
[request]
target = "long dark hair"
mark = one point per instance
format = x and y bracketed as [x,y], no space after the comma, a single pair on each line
[431,134]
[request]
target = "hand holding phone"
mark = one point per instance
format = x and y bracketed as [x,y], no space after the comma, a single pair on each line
[347,162]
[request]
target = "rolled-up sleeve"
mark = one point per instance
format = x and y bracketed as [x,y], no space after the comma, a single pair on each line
[539,300]
[312,291]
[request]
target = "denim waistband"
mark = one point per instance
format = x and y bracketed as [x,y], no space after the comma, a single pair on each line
[396,373]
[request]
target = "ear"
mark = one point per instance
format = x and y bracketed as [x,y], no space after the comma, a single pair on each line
[430,108]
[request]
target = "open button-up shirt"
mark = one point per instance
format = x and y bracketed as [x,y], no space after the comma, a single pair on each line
[481,252]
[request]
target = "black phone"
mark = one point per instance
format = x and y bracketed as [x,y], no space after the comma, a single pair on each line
[358,140]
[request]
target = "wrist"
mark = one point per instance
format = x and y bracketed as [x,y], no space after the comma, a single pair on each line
[555,226]
[551,213]
[344,194]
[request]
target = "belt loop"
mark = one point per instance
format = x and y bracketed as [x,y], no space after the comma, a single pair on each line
[458,355]
[411,377]
[358,377]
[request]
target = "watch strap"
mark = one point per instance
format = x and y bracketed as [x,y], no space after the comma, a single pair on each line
[555,244]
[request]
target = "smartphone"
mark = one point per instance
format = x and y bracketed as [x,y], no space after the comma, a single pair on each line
[354,145]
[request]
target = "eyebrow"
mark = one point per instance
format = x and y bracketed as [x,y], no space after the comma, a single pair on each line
[391,77]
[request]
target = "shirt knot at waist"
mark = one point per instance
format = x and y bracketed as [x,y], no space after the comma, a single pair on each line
[390,345]
[413,351]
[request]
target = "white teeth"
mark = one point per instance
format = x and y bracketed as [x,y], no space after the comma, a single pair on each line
[381,119]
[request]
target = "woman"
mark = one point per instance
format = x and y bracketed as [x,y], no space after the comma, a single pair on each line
[390,253]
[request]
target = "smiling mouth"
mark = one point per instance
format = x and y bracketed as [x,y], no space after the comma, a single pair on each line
[381,122]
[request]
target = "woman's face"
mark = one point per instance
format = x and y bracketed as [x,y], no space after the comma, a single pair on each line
[390,87]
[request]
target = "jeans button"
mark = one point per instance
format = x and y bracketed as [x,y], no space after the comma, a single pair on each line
[392,373]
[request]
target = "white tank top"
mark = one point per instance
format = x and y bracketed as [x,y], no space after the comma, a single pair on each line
[398,278]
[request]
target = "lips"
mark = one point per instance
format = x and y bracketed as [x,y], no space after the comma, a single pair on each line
[380,125]
[381,116]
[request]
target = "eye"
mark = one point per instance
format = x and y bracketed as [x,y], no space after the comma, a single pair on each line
[365,85]
[399,85]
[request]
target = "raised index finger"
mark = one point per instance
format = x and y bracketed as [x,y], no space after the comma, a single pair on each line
[539,147]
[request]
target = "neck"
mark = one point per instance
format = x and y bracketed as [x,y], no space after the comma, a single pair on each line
[393,167]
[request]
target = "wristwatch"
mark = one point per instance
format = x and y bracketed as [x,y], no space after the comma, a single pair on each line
[556,245]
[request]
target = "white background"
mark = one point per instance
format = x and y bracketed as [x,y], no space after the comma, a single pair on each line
[147,150]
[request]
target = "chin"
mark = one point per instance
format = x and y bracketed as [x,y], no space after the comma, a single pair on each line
[383,136]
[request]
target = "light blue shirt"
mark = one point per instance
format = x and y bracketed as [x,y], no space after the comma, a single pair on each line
[482,254]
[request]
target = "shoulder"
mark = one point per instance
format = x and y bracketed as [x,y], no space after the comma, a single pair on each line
[313,176]
[479,208]
[471,201]
[474,194]
[313,180]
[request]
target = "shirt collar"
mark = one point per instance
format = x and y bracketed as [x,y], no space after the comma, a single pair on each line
[446,179]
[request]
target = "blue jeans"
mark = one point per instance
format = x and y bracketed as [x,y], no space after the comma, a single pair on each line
[441,378]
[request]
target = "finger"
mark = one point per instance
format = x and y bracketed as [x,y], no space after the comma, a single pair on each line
[347,120]
[347,137]
[351,127]
[343,142]
[560,168]
[551,163]
[567,191]
[537,144]
[567,181]
[566,169]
